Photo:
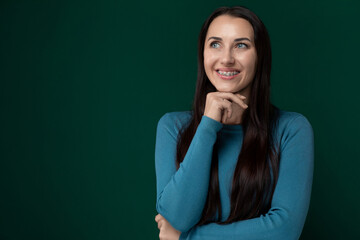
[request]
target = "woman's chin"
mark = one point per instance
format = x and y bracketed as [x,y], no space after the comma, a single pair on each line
[230,90]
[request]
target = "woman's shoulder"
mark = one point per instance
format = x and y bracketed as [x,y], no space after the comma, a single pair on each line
[175,120]
[292,118]
[293,122]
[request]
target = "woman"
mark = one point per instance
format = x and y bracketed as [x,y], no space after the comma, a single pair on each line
[235,167]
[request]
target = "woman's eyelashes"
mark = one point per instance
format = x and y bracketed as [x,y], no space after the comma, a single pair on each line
[241,45]
[214,45]
[238,45]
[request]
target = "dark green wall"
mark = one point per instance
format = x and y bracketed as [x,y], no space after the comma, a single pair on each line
[83,84]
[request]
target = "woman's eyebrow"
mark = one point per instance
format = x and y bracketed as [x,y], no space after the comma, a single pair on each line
[242,39]
[216,38]
[235,40]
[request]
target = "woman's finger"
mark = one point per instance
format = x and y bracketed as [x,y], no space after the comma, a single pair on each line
[240,102]
[237,98]
[242,99]
[223,118]
[158,217]
[226,109]
[160,223]
[229,109]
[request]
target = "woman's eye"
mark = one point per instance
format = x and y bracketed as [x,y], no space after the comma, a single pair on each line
[214,45]
[241,45]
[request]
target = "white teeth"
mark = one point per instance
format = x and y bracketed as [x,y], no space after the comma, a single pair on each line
[228,73]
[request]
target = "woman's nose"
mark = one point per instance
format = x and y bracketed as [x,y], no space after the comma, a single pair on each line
[227,57]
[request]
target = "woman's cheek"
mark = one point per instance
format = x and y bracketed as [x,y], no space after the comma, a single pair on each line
[249,60]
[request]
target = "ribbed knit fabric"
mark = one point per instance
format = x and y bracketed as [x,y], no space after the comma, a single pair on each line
[181,194]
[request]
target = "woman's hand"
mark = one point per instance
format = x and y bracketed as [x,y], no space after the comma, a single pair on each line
[225,107]
[167,232]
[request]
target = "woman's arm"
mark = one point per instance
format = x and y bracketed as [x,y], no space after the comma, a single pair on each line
[291,198]
[181,194]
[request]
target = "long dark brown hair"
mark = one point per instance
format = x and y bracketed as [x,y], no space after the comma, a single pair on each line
[256,172]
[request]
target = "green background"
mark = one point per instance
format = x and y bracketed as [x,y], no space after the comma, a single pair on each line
[83,84]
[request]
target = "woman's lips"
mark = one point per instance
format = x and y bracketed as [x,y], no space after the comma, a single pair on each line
[227,77]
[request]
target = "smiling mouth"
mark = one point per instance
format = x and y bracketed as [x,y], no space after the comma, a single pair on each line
[227,74]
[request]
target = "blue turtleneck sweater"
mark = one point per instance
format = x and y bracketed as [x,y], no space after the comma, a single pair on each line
[181,194]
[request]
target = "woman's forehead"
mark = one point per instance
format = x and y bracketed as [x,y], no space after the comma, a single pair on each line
[230,27]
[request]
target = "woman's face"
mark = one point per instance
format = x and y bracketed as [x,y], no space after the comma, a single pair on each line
[230,54]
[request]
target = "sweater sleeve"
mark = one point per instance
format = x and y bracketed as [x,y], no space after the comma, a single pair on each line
[291,198]
[181,194]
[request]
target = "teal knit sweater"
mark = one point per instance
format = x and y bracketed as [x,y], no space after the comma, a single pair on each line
[181,194]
